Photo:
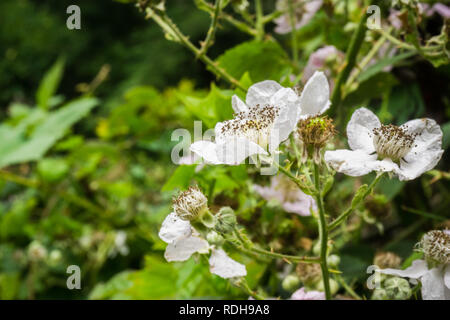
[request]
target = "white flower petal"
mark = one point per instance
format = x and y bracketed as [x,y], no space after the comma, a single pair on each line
[301,294]
[260,93]
[207,150]
[236,149]
[238,105]
[426,151]
[287,100]
[173,228]
[359,130]
[314,99]
[183,249]
[353,163]
[447,276]
[417,269]
[223,266]
[433,287]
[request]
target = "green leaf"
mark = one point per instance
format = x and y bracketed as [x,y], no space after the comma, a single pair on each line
[446,137]
[180,178]
[262,60]
[383,63]
[52,169]
[19,146]
[49,84]
[215,107]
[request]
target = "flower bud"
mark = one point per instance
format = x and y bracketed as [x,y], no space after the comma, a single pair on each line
[379,294]
[308,273]
[387,260]
[190,204]
[333,260]
[290,283]
[226,220]
[214,238]
[55,257]
[436,246]
[334,286]
[397,288]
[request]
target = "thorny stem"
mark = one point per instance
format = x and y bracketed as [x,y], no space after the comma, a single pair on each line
[323,233]
[242,283]
[212,29]
[347,288]
[347,212]
[236,23]
[166,24]
[271,254]
[352,52]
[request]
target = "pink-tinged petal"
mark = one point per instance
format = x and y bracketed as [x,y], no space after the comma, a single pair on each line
[359,130]
[223,266]
[301,294]
[302,208]
[317,61]
[185,248]
[236,149]
[260,93]
[442,9]
[433,287]
[238,105]
[417,269]
[173,229]
[207,150]
[314,99]
[353,163]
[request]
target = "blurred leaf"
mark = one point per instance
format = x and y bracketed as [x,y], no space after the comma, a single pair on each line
[17,147]
[406,102]
[446,135]
[49,84]
[180,178]
[52,169]
[262,60]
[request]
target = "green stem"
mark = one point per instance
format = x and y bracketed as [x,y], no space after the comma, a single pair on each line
[166,24]
[395,41]
[212,29]
[351,54]
[347,212]
[347,288]
[259,20]
[293,33]
[245,287]
[323,233]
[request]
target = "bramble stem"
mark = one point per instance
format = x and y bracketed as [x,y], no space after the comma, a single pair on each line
[293,33]
[212,29]
[167,24]
[323,233]
[354,204]
[259,20]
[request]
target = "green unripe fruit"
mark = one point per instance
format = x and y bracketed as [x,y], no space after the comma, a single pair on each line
[214,238]
[333,260]
[334,286]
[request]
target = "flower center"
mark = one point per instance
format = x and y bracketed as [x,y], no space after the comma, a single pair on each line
[435,245]
[256,124]
[392,142]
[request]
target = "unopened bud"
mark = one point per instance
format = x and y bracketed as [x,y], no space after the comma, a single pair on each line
[291,282]
[214,238]
[379,294]
[397,288]
[226,220]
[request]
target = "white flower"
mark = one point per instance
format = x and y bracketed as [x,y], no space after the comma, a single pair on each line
[183,241]
[288,195]
[301,294]
[435,277]
[408,151]
[267,118]
[190,204]
[303,12]
[120,244]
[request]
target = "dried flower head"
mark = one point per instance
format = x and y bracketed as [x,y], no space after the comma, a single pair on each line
[435,245]
[190,204]
[308,273]
[387,260]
